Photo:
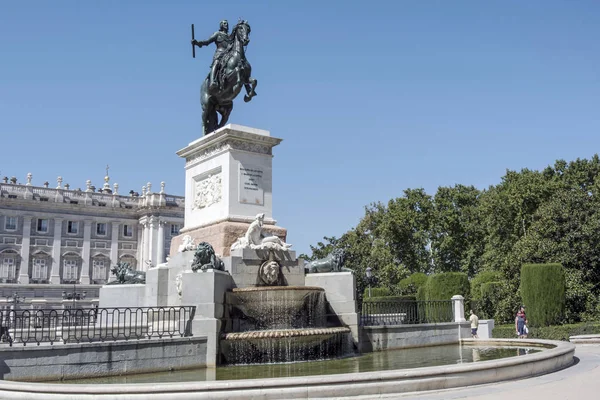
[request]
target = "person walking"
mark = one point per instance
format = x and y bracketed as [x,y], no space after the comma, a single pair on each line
[520,323]
[474,319]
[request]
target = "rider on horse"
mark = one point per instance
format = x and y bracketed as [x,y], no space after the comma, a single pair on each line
[222,40]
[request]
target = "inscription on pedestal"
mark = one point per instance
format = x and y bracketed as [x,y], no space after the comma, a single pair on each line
[251,185]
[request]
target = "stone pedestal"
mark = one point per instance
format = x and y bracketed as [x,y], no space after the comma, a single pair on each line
[161,281]
[228,181]
[115,296]
[222,235]
[340,291]
[243,265]
[206,290]
[458,308]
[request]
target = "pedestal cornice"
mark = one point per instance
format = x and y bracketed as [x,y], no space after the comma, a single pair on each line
[230,137]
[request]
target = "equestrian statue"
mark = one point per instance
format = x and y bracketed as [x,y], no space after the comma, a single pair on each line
[229,72]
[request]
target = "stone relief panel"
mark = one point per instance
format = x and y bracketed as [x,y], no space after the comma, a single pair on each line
[208,191]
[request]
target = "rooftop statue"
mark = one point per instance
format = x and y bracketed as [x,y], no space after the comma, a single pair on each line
[229,71]
[254,239]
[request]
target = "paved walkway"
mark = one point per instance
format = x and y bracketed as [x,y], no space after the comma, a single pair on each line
[578,382]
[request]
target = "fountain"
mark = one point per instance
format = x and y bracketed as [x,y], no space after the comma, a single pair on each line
[280,324]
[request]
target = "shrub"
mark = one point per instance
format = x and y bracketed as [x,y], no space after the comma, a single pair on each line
[412,284]
[491,294]
[554,332]
[390,299]
[543,293]
[421,295]
[377,292]
[482,278]
[445,285]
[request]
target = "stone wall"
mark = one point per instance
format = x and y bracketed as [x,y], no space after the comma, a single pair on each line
[70,361]
[376,338]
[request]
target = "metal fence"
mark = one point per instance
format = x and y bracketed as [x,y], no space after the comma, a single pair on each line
[94,324]
[406,312]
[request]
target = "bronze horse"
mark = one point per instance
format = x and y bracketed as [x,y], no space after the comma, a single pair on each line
[233,73]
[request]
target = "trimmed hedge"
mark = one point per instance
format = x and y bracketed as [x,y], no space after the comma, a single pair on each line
[377,292]
[445,285]
[482,278]
[389,299]
[554,332]
[543,293]
[421,293]
[412,284]
[491,294]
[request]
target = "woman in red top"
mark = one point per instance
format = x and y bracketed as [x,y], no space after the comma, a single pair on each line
[520,322]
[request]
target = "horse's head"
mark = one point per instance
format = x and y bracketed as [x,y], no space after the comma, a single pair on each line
[241,32]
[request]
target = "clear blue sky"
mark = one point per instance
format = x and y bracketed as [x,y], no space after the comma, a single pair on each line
[370,97]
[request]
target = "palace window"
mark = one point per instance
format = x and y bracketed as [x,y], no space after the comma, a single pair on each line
[101,228]
[10,223]
[73,227]
[70,269]
[40,268]
[42,225]
[127,230]
[174,229]
[98,269]
[7,267]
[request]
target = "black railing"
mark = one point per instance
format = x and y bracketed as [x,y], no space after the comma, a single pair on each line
[406,312]
[94,324]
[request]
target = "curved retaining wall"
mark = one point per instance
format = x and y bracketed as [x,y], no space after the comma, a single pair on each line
[342,385]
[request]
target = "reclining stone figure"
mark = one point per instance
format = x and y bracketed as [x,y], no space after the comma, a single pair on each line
[255,240]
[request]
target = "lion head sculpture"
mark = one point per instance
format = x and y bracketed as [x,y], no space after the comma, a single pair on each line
[269,272]
[205,258]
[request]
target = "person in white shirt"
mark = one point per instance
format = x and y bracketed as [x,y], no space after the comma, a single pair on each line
[474,325]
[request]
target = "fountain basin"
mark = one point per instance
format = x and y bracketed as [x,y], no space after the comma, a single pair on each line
[373,384]
[285,345]
[275,307]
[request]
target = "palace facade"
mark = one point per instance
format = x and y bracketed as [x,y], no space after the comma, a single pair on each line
[56,243]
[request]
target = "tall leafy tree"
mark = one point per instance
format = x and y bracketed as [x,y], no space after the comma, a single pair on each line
[457,233]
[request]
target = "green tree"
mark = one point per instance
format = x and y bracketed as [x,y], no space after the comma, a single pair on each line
[457,238]
[405,227]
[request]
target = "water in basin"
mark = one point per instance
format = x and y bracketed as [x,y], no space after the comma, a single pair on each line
[377,361]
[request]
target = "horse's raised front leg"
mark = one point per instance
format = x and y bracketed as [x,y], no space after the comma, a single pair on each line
[238,83]
[250,86]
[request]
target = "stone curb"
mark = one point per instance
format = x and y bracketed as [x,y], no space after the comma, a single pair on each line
[374,384]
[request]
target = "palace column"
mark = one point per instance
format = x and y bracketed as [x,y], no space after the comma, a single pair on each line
[85,253]
[140,245]
[114,249]
[160,251]
[151,242]
[25,246]
[146,244]
[56,242]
